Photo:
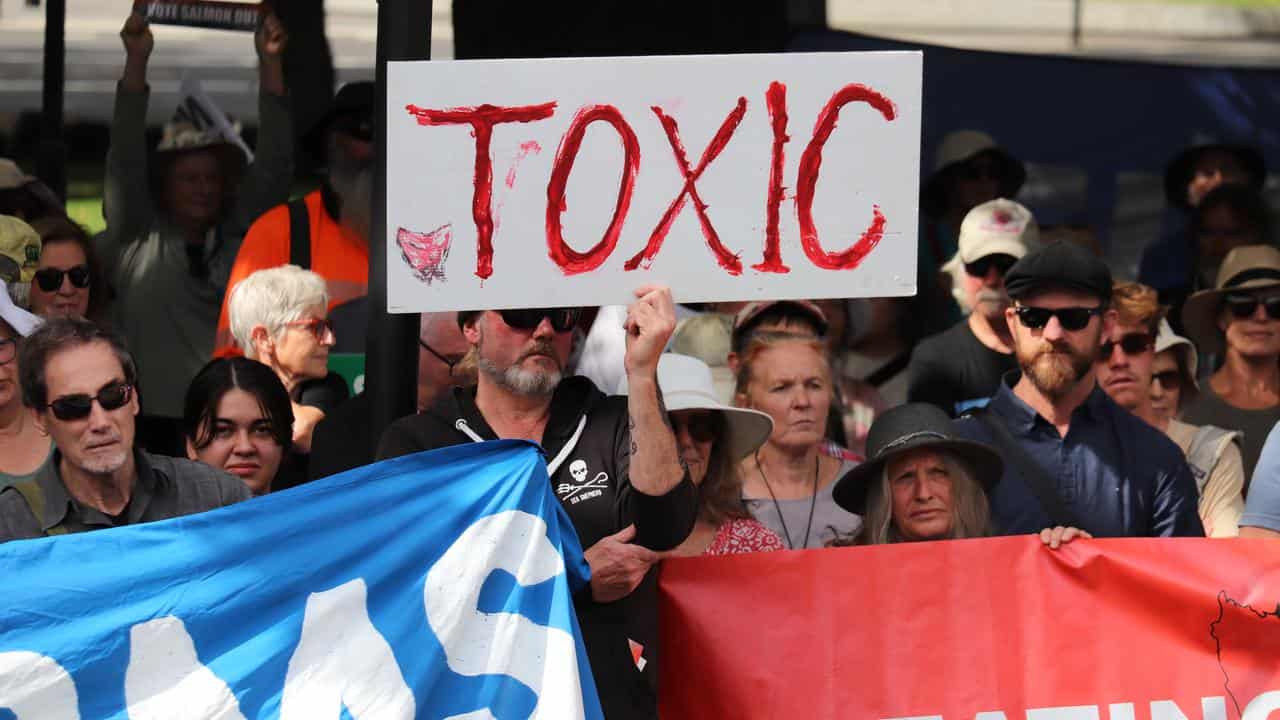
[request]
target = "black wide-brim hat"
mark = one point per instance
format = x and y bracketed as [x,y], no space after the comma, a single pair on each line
[958,148]
[1180,169]
[911,427]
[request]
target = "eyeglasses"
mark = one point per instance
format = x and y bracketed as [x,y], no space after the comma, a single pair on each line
[450,363]
[1169,379]
[701,426]
[319,327]
[1130,343]
[980,267]
[1243,306]
[50,279]
[77,407]
[1071,318]
[562,319]
[8,350]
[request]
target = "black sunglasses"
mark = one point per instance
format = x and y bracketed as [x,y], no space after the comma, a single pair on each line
[78,407]
[702,427]
[451,364]
[1131,343]
[1071,318]
[562,319]
[1169,379]
[1243,306]
[980,267]
[50,279]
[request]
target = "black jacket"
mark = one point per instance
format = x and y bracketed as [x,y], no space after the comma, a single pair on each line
[589,473]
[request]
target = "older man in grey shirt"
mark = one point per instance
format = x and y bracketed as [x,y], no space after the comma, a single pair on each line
[80,381]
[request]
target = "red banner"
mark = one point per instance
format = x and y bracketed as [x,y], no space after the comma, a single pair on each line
[1171,629]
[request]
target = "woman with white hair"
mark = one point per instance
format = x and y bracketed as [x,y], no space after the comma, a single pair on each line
[279,317]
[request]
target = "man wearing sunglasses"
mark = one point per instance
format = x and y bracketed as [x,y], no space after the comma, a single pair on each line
[962,367]
[80,381]
[1239,322]
[1125,365]
[612,461]
[1073,457]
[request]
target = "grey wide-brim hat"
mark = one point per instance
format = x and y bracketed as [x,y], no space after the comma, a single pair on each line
[1251,267]
[911,427]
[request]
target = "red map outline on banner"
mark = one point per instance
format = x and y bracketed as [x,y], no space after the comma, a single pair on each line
[1109,629]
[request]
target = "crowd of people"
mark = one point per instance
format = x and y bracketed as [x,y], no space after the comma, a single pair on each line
[179,362]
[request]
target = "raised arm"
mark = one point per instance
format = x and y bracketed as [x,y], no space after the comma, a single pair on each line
[126,194]
[267,181]
[655,467]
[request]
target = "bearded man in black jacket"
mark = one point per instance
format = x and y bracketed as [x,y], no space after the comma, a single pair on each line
[612,462]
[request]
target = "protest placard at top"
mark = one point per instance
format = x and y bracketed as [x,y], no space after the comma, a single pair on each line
[213,14]
[544,183]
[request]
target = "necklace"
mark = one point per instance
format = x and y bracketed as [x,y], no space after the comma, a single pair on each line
[813,502]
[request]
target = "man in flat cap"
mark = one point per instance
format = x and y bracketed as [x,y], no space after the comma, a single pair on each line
[1073,457]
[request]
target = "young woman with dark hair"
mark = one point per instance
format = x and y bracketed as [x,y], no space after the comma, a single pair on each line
[238,418]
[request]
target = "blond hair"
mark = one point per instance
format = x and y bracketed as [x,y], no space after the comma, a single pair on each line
[970,515]
[1137,304]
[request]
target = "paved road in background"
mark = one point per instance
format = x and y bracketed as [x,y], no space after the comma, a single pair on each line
[223,61]
[1174,32]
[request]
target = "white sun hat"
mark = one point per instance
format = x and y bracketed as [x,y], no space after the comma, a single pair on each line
[687,385]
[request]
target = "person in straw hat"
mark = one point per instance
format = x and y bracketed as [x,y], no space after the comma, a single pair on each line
[175,222]
[1239,320]
[712,438]
[923,482]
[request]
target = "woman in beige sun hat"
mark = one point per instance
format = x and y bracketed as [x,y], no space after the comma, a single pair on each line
[1239,320]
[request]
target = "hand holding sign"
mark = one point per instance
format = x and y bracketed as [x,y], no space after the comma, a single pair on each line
[271,38]
[650,321]
[137,38]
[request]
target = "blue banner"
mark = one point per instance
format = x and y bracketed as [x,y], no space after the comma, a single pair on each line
[436,585]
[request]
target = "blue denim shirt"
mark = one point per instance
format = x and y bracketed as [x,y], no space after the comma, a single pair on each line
[1117,474]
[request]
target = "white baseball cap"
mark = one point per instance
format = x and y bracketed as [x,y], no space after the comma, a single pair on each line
[997,227]
[23,322]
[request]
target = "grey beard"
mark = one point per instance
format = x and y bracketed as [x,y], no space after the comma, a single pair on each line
[353,183]
[521,382]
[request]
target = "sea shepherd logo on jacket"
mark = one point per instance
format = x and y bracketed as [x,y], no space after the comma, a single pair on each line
[581,488]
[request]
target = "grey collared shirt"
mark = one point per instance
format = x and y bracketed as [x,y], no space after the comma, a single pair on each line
[166,487]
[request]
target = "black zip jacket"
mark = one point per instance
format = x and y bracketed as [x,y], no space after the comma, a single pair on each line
[587,446]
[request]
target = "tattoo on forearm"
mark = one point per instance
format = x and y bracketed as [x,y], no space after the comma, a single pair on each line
[631,433]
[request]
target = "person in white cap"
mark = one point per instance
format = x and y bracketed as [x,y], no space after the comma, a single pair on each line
[23,448]
[962,366]
[712,439]
[1125,372]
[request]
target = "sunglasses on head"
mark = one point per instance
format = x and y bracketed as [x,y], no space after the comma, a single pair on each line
[78,407]
[1243,306]
[980,267]
[701,427]
[562,319]
[50,279]
[1169,379]
[1130,343]
[1070,318]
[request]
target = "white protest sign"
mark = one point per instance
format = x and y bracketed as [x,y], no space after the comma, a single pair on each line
[544,183]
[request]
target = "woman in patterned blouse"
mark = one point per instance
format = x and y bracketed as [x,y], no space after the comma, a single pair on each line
[712,439]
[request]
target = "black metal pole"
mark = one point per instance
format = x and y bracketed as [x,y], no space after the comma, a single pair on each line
[391,354]
[51,167]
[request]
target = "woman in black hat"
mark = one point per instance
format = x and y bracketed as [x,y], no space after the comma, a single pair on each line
[922,482]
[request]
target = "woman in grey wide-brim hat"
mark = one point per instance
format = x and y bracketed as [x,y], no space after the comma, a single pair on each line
[1239,321]
[923,482]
